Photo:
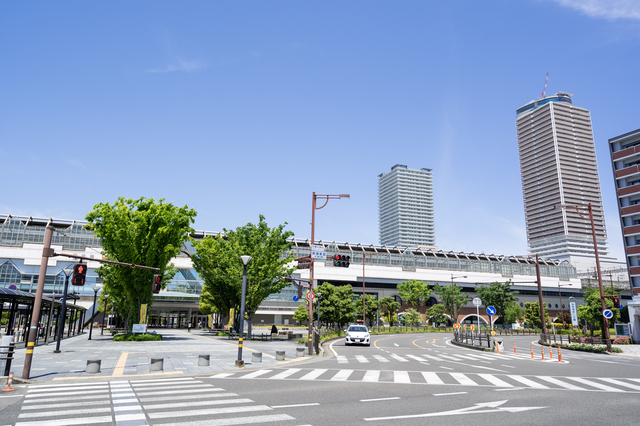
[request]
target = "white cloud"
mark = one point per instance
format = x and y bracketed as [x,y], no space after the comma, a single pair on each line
[607,9]
[177,64]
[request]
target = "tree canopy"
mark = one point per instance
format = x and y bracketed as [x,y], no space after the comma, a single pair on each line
[436,314]
[390,307]
[143,232]
[447,294]
[498,295]
[217,262]
[591,311]
[532,314]
[414,292]
[371,308]
[336,303]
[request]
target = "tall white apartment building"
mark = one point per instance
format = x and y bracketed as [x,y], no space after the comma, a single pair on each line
[558,166]
[405,207]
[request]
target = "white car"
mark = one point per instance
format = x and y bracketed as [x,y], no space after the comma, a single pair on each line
[357,334]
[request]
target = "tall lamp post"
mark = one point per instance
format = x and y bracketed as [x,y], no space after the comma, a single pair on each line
[103,313]
[63,310]
[453,299]
[589,209]
[95,296]
[245,261]
[314,207]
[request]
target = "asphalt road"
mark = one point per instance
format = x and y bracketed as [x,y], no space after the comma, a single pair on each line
[400,379]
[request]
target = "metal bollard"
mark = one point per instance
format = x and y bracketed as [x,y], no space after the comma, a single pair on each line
[299,352]
[93,366]
[279,355]
[204,360]
[256,357]
[156,364]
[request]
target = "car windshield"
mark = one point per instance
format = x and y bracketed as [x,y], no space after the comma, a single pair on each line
[358,328]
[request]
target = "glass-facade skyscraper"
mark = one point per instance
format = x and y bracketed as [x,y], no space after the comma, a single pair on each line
[405,207]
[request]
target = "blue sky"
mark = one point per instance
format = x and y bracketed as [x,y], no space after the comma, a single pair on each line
[245,108]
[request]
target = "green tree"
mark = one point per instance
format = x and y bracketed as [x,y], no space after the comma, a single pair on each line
[436,314]
[447,294]
[411,317]
[217,261]
[513,313]
[301,314]
[390,307]
[591,311]
[498,295]
[336,304]
[414,292]
[371,308]
[532,314]
[143,232]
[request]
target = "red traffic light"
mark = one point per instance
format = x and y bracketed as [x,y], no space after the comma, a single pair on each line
[616,302]
[156,285]
[79,274]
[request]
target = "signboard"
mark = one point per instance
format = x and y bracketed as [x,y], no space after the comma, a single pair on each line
[491,310]
[317,252]
[13,287]
[493,333]
[574,314]
[607,313]
[476,301]
[622,330]
[295,298]
[143,313]
[139,328]
[310,296]
[230,325]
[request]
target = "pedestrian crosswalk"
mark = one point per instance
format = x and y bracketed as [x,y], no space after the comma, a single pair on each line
[427,358]
[183,401]
[498,381]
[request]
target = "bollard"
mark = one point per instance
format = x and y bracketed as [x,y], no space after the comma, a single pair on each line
[256,357]
[550,352]
[9,388]
[156,364]
[93,366]
[204,360]
[279,355]
[531,351]
[542,350]
[559,355]
[299,352]
[514,348]
[497,347]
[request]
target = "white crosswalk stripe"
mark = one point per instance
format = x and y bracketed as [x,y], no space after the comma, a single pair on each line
[362,359]
[398,358]
[381,358]
[342,359]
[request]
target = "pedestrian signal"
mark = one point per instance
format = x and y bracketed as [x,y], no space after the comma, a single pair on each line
[155,287]
[79,274]
[616,302]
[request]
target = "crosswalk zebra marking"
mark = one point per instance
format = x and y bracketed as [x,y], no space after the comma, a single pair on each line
[495,381]
[313,374]
[620,383]
[401,377]
[76,412]
[236,421]
[68,422]
[362,359]
[595,384]
[381,358]
[65,405]
[342,375]
[256,374]
[371,376]
[342,359]
[208,411]
[463,379]
[398,358]
[527,382]
[197,403]
[286,373]
[432,378]
[417,358]
[206,395]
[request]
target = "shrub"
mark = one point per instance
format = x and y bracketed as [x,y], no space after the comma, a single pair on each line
[622,340]
[586,347]
[129,337]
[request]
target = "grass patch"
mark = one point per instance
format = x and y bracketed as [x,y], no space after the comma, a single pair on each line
[130,337]
[586,348]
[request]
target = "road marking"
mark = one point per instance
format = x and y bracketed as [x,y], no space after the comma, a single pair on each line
[380,399]
[58,390]
[432,378]
[235,421]
[620,383]
[68,422]
[221,375]
[285,373]
[595,384]
[39,395]
[342,375]
[120,365]
[208,411]
[463,379]
[255,374]
[371,376]
[529,383]
[76,412]
[401,377]
[451,393]
[342,359]
[155,382]
[196,403]
[399,358]
[559,383]
[494,380]
[206,395]
[396,344]
[381,358]
[417,358]
[362,359]
[295,405]
[313,374]
[54,406]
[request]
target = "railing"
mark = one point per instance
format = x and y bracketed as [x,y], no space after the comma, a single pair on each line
[7,352]
[471,338]
[552,338]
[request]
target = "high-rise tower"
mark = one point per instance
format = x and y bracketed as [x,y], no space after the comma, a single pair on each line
[558,166]
[405,207]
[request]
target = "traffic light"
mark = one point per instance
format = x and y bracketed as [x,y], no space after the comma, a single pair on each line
[616,302]
[155,287]
[341,260]
[79,274]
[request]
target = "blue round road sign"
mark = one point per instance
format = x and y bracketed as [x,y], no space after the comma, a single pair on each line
[491,310]
[295,298]
[13,287]
[607,313]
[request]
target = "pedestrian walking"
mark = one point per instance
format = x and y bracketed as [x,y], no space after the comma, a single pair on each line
[189,327]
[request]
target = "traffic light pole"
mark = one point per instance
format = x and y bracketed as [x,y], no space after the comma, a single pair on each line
[63,310]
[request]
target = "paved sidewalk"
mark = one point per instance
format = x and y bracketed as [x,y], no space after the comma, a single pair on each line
[179,349]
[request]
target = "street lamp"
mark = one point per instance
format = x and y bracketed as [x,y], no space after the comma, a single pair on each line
[63,310]
[103,313]
[95,296]
[314,207]
[589,209]
[453,299]
[245,261]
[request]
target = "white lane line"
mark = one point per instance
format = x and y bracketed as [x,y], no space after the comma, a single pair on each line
[432,378]
[417,358]
[450,393]
[380,399]
[208,411]
[495,381]
[381,358]
[39,395]
[619,383]
[342,359]
[196,390]
[371,376]
[595,384]
[141,382]
[401,377]
[221,375]
[68,422]
[398,358]
[69,385]
[452,358]
[362,359]
[196,403]
[40,399]
[342,375]
[435,358]
[235,421]
[189,397]
[295,405]
[527,382]
[76,412]
[69,404]
[463,379]
[285,374]
[560,383]
[313,374]
[255,374]
[446,368]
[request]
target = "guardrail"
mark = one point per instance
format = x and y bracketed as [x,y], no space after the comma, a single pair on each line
[552,338]
[7,352]
[471,338]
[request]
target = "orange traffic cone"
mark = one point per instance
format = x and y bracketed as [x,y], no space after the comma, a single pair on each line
[9,388]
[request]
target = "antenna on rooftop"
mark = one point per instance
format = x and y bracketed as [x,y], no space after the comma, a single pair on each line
[545,85]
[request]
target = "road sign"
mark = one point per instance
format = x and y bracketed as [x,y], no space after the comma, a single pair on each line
[477,301]
[295,298]
[621,307]
[317,252]
[456,326]
[493,332]
[491,310]
[13,287]
[574,314]
[607,313]
[472,327]
[310,296]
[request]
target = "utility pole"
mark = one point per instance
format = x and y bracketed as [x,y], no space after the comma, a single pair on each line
[540,299]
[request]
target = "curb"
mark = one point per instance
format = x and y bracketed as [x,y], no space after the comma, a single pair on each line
[468,346]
